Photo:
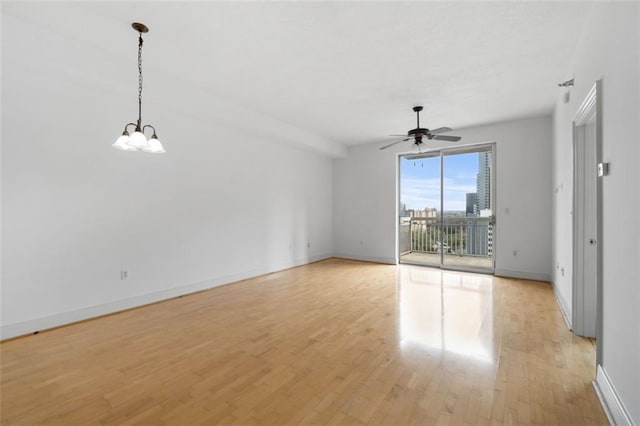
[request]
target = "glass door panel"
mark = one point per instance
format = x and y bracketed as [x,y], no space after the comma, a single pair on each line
[467,206]
[420,209]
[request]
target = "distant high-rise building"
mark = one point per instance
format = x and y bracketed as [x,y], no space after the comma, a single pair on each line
[480,231]
[472,201]
[483,183]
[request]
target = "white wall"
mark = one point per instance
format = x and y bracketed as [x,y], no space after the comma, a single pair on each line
[365,198]
[364,205]
[219,206]
[608,50]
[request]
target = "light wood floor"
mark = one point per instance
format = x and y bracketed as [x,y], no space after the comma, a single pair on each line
[332,342]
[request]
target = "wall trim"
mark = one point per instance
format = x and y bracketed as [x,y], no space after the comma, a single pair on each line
[611,403]
[537,276]
[564,309]
[8,331]
[374,259]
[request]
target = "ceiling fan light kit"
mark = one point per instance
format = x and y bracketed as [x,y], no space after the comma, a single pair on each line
[137,141]
[419,133]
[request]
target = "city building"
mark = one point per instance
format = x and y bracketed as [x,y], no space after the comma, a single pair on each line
[428,212]
[483,181]
[472,204]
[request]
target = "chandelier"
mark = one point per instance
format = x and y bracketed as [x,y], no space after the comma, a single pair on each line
[137,141]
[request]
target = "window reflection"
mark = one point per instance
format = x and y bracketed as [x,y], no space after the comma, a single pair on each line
[448,311]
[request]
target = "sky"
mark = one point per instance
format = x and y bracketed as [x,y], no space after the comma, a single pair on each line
[420,181]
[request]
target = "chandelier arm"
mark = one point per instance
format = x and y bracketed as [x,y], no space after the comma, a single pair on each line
[125,131]
[149,125]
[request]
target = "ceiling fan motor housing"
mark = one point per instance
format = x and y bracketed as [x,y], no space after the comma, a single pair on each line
[418,132]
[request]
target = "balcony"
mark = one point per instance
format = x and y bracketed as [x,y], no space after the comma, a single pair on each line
[459,242]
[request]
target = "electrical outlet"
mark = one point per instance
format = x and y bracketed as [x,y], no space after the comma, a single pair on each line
[515,252]
[308,244]
[123,274]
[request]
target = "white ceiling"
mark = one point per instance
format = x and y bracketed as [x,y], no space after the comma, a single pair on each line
[348,72]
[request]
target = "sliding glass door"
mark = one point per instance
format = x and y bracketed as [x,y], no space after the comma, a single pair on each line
[446,208]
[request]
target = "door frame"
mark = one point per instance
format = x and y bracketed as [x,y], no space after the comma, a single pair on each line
[590,107]
[441,152]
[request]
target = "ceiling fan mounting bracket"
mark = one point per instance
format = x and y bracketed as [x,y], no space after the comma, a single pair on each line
[417,108]
[139,27]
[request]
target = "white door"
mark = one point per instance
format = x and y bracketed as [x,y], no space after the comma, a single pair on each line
[585,302]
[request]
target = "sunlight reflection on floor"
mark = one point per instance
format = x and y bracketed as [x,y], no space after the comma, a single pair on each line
[446,311]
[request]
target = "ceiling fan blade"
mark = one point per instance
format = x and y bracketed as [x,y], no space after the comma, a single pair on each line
[446,138]
[400,135]
[440,130]
[393,143]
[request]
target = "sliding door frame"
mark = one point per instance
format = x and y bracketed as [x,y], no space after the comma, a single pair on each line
[442,152]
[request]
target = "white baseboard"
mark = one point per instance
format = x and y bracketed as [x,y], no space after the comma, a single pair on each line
[8,331]
[373,259]
[522,274]
[611,403]
[564,309]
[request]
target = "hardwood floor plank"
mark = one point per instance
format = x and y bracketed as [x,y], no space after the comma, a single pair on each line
[334,342]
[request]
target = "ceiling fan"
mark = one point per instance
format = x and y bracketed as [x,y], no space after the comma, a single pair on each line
[419,133]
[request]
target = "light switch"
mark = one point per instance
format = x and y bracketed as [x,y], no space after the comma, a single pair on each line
[603,169]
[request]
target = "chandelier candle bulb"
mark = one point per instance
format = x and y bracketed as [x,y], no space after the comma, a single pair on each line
[137,141]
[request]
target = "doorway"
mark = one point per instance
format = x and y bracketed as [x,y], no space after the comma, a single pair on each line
[587,241]
[446,201]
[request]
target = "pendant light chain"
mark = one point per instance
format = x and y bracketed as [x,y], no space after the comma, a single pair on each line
[140,80]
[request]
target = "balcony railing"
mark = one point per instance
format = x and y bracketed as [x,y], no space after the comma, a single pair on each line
[468,236]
